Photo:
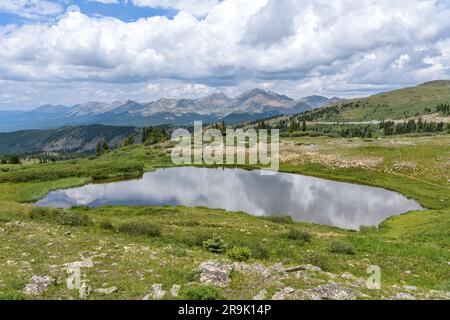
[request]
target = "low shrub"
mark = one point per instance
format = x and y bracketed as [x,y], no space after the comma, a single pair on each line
[216,245]
[299,235]
[61,216]
[140,229]
[39,212]
[239,253]
[368,230]
[199,238]
[189,223]
[202,292]
[342,247]
[259,252]
[68,218]
[193,276]
[320,261]
[107,225]
[177,252]
[280,219]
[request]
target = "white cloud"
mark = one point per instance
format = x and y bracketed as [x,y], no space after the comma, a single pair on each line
[196,7]
[31,9]
[343,47]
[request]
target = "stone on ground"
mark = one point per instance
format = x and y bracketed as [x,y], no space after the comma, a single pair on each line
[38,285]
[215,273]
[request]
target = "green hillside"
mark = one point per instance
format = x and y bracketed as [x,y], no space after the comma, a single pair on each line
[66,139]
[397,104]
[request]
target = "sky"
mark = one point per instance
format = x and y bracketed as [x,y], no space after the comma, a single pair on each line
[75,51]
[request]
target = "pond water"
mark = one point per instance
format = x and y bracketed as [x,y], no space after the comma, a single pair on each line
[301,197]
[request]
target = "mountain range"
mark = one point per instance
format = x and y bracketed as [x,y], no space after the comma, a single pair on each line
[251,105]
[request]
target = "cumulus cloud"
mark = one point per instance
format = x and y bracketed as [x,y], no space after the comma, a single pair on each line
[196,7]
[342,46]
[31,9]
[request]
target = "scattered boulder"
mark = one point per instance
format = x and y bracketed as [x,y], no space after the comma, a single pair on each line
[307,267]
[410,288]
[215,273]
[331,291]
[255,268]
[175,290]
[75,266]
[261,295]
[356,281]
[278,267]
[404,296]
[156,292]
[106,291]
[38,285]
[281,295]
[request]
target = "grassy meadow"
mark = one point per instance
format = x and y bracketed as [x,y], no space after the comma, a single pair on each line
[135,247]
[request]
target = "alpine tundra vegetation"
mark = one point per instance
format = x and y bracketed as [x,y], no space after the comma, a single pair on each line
[169,252]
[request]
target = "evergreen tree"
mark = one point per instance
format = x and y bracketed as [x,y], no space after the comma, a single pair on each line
[105,147]
[128,141]
[303,124]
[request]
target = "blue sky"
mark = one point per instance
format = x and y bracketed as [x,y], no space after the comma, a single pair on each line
[123,10]
[74,51]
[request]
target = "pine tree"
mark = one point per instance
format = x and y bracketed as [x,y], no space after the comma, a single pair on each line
[105,147]
[303,124]
[98,149]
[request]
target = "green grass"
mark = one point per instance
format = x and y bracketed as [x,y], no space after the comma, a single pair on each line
[134,247]
[397,104]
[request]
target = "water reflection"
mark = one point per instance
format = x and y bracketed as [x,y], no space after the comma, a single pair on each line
[304,198]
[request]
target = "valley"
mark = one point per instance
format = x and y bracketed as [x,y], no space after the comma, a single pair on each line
[197,253]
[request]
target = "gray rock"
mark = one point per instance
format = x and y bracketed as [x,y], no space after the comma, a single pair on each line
[156,292]
[175,290]
[215,273]
[281,295]
[404,296]
[307,267]
[356,281]
[261,295]
[331,291]
[75,266]
[38,284]
[410,288]
[106,291]
[278,267]
[255,268]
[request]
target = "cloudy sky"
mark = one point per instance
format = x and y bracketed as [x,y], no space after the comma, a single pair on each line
[74,51]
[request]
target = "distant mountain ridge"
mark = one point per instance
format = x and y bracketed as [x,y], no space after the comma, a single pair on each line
[251,105]
[65,139]
[397,104]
